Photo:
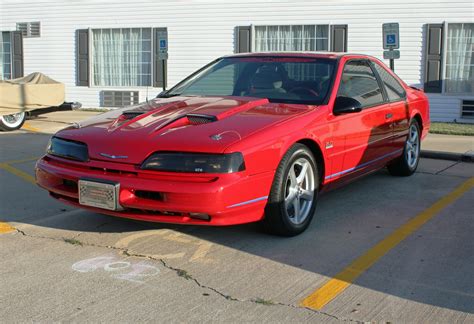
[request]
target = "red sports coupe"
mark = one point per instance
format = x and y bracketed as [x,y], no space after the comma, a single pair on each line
[249,137]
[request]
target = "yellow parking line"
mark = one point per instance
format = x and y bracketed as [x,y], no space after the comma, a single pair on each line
[6,228]
[30,128]
[21,160]
[25,176]
[333,287]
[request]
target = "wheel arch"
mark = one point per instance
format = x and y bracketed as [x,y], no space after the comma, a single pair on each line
[318,155]
[418,118]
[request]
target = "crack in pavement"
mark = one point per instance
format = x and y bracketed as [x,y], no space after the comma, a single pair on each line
[185,275]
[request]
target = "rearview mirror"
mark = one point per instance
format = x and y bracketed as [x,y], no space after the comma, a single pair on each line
[346,105]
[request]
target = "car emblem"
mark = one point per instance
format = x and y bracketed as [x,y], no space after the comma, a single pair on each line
[216,137]
[114,156]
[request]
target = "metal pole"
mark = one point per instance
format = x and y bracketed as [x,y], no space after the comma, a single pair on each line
[164,74]
[392,65]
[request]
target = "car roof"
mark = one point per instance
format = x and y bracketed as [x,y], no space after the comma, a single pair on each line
[333,55]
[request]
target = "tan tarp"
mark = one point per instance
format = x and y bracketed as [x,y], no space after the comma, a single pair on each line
[33,91]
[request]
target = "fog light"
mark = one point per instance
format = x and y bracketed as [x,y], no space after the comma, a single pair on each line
[201,216]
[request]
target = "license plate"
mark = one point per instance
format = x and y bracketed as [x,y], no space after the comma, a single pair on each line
[99,194]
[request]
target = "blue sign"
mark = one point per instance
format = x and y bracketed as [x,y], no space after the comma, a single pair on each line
[162,43]
[391,39]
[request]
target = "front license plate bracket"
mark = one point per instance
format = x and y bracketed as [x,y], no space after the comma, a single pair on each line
[99,193]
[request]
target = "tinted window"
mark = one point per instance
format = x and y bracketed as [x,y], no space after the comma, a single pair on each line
[279,79]
[359,82]
[394,89]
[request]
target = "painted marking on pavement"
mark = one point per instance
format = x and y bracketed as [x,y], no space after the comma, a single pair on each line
[200,254]
[25,176]
[136,271]
[21,160]
[28,127]
[6,228]
[333,287]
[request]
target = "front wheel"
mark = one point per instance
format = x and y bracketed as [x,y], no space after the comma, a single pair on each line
[12,122]
[293,195]
[406,165]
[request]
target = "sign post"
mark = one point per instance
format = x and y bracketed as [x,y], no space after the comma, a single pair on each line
[391,42]
[163,52]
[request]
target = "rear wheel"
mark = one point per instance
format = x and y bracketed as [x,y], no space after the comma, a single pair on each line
[406,165]
[292,199]
[12,122]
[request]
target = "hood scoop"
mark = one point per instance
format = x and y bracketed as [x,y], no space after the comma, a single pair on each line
[199,119]
[130,114]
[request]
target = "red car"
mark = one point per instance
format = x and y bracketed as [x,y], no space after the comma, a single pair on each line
[249,137]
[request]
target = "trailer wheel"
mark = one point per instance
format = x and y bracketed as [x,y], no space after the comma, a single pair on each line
[12,122]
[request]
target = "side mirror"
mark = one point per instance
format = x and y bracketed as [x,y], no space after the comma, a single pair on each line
[346,105]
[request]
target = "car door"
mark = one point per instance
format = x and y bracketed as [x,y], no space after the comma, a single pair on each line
[365,137]
[396,95]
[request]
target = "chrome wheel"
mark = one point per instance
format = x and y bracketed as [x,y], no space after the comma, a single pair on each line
[412,147]
[13,121]
[299,191]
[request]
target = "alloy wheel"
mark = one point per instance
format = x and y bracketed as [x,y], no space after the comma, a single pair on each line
[412,146]
[299,191]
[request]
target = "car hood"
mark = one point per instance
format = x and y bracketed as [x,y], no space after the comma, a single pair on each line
[186,124]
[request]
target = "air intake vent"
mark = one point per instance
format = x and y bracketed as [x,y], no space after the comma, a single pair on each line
[29,29]
[119,98]
[467,109]
[196,119]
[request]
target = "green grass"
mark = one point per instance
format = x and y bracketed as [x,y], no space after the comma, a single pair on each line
[73,241]
[93,109]
[452,129]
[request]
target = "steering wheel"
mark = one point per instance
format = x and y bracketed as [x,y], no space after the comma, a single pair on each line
[303,91]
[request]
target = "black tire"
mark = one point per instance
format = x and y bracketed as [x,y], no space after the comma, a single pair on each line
[7,126]
[277,220]
[401,167]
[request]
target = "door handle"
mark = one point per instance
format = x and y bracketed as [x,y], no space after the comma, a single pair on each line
[388,116]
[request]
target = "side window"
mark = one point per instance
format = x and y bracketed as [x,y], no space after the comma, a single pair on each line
[394,89]
[359,82]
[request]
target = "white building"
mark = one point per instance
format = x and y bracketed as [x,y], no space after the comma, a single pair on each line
[106,51]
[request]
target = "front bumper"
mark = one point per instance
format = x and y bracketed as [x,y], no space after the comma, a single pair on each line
[228,199]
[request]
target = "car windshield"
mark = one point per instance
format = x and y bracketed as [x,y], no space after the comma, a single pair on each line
[300,80]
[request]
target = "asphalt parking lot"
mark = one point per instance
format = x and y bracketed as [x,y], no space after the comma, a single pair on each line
[381,249]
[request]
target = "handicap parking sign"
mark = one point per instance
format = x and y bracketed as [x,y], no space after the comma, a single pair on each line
[162,43]
[391,39]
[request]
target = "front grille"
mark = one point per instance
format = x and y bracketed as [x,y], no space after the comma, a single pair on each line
[151,195]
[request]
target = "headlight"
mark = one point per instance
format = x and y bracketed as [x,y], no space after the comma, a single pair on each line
[68,149]
[195,162]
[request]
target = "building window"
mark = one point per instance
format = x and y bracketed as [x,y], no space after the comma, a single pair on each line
[121,57]
[5,56]
[292,38]
[460,59]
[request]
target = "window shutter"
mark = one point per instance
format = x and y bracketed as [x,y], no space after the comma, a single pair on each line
[433,58]
[339,38]
[244,39]
[159,78]
[17,54]
[82,64]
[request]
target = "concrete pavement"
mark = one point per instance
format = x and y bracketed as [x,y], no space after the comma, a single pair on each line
[63,264]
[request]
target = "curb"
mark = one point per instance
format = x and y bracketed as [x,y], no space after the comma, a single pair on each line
[460,157]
